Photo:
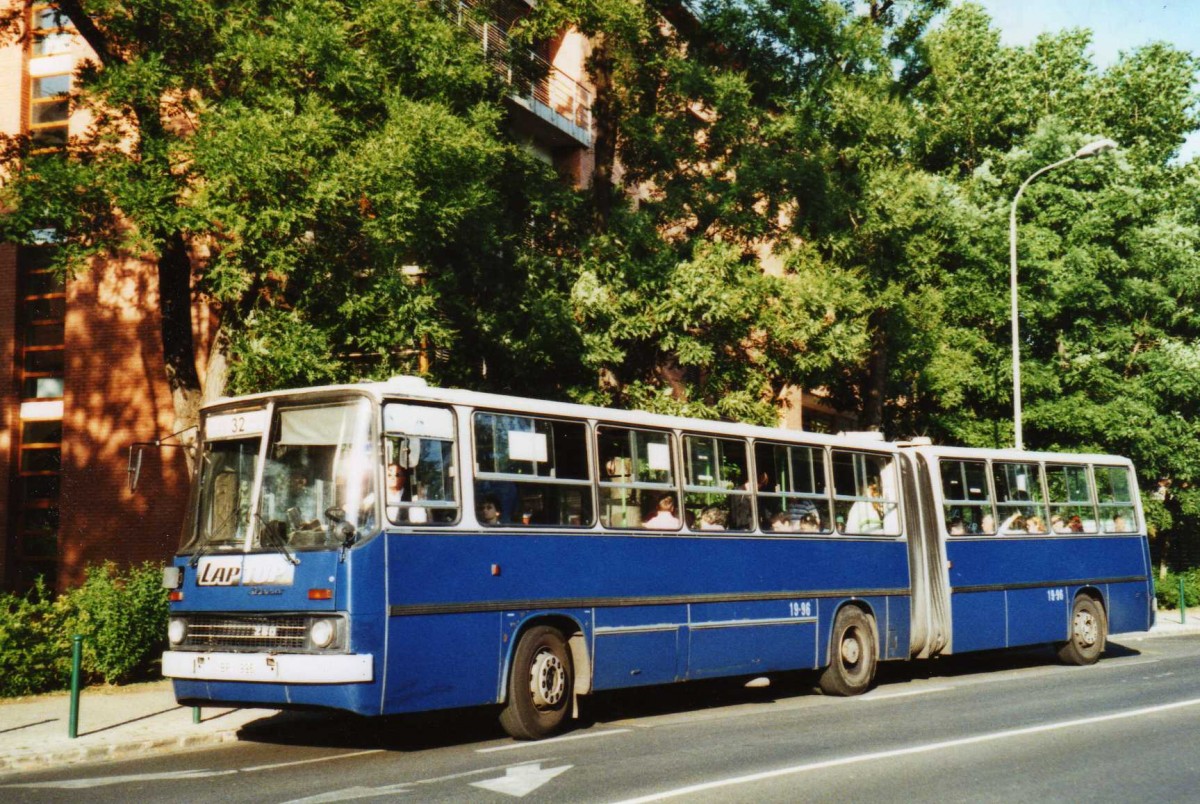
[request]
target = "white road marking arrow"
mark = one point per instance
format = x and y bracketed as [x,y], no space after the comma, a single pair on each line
[521,779]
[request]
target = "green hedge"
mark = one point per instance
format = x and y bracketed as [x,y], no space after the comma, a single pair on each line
[122,616]
[1167,589]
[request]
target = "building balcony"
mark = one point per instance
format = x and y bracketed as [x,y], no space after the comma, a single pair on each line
[550,105]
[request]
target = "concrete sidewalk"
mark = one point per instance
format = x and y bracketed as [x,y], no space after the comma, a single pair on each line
[114,723]
[140,719]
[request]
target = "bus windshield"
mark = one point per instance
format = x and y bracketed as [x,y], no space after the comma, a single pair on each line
[319,477]
[317,481]
[227,472]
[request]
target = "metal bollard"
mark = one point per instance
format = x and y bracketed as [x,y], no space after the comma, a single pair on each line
[1182,603]
[195,714]
[76,661]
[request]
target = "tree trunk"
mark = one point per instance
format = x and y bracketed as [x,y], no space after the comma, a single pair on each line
[875,383]
[604,127]
[175,310]
[216,374]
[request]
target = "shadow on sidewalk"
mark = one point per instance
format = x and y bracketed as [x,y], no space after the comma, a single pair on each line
[29,725]
[131,720]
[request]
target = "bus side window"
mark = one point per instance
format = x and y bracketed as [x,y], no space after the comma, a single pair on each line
[793,493]
[535,469]
[1070,493]
[718,484]
[635,471]
[967,503]
[1019,500]
[1114,493]
[421,483]
[865,494]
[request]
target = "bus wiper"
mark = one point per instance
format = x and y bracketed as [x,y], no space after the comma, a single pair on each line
[271,530]
[201,551]
[206,546]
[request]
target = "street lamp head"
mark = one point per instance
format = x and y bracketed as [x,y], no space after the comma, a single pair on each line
[1095,148]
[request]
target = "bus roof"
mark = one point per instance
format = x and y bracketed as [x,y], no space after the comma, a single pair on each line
[415,388]
[979,453]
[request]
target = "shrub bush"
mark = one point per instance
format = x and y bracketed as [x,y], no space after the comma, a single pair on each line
[1166,590]
[35,653]
[123,620]
[122,617]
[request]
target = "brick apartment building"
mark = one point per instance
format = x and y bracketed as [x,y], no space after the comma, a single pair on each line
[83,377]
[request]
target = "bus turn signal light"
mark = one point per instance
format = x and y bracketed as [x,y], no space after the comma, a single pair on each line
[320,594]
[175,596]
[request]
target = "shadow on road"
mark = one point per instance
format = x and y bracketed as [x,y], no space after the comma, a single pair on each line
[432,730]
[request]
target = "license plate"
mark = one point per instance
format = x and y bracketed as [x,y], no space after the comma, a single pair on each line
[236,668]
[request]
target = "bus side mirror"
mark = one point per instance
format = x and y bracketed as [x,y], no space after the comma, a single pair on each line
[341,529]
[134,466]
[137,450]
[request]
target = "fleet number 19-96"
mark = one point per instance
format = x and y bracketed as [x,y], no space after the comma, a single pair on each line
[800,609]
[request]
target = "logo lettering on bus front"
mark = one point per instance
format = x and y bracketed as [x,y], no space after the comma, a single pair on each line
[220,571]
[258,570]
[268,570]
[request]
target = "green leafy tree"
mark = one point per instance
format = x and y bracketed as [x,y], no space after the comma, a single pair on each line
[284,162]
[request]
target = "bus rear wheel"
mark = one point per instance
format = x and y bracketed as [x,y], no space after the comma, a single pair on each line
[1089,630]
[852,657]
[540,685]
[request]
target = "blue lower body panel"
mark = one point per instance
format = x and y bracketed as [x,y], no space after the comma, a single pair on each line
[362,699]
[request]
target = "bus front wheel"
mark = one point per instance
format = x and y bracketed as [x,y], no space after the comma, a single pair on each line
[540,685]
[852,657]
[1089,629]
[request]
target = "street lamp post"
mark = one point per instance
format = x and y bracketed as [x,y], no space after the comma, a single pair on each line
[1087,151]
[416,275]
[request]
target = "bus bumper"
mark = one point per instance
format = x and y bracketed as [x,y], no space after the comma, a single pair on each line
[281,668]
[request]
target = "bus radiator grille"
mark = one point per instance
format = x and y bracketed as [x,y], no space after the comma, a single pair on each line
[223,632]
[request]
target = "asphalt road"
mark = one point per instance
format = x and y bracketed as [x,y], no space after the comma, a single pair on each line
[994,727]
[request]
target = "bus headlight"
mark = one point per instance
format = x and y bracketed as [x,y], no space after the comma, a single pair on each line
[176,631]
[322,632]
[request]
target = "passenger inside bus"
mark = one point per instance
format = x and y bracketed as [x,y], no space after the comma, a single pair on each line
[809,524]
[489,510]
[713,518]
[396,489]
[399,490]
[664,518]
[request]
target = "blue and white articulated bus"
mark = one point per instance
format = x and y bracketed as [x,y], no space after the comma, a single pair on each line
[392,547]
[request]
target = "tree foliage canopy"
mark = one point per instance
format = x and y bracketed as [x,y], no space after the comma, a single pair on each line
[789,193]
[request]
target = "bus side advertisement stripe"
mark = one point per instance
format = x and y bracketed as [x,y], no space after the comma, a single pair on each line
[612,602]
[1002,587]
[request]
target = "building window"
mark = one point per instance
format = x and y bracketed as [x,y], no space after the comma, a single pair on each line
[49,95]
[49,110]
[52,31]
[42,308]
